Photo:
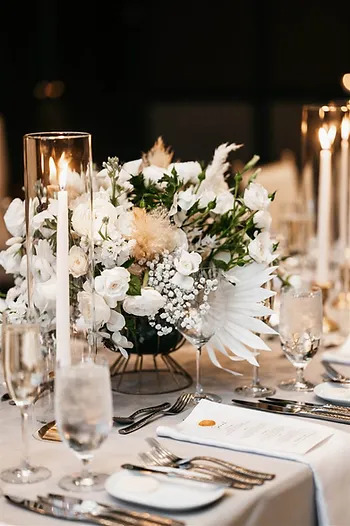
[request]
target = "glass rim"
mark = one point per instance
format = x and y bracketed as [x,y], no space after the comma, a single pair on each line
[57,135]
[302,292]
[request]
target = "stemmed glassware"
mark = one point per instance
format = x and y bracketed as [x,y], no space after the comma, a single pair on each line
[196,324]
[300,331]
[83,407]
[24,367]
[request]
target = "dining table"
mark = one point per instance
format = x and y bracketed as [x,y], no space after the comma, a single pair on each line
[288,500]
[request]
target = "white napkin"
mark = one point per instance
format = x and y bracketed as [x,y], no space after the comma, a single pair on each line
[326,457]
[341,355]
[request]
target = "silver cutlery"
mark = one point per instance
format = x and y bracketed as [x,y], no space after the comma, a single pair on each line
[61,513]
[334,375]
[236,481]
[131,418]
[308,405]
[178,406]
[184,475]
[98,509]
[297,410]
[163,456]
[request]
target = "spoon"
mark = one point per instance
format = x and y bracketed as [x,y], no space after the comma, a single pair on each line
[131,418]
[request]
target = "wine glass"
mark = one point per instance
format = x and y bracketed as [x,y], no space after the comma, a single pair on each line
[24,367]
[196,324]
[83,407]
[300,331]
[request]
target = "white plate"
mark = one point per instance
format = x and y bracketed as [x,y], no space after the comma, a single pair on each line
[161,492]
[333,392]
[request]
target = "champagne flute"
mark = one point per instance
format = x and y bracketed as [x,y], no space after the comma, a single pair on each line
[24,365]
[197,326]
[300,331]
[83,407]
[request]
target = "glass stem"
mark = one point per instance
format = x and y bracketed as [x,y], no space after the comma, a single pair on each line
[25,438]
[86,474]
[300,375]
[199,389]
[256,379]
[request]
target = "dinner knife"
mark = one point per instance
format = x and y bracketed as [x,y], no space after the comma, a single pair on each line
[293,410]
[342,408]
[180,474]
[52,511]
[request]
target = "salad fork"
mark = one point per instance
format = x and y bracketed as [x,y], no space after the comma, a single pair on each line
[166,457]
[178,406]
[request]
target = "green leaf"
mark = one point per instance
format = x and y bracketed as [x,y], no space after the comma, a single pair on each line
[128,263]
[272,196]
[134,286]
[220,264]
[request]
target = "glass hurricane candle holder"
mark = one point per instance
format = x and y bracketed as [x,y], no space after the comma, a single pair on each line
[58,192]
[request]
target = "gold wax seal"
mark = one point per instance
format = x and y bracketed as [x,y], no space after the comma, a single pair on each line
[207,423]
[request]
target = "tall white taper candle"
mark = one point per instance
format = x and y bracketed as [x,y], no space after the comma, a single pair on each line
[344,185]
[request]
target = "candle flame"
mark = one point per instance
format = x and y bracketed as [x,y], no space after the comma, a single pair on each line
[53,171]
[327,136]
[63,171]
[345,128]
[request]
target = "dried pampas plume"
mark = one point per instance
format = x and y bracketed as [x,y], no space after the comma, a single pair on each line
[158,155]
[153,234]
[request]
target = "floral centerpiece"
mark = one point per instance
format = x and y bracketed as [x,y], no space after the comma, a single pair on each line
[156,223]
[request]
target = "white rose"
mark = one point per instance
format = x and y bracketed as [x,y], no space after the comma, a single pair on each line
[187,263]
[44,295]
[78,263]
[104,215]
[262,219]
[116,321]
[15,218]
[147,304]
[112,285]
[11,258]
[153,174]
[224,203]
[206,197]
[186,199]
[187,171]
[102,311]
[261,248]
[256,197]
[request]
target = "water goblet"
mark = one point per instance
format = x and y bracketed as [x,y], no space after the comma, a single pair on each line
[300,331]
[24,366]
[83,408]
[196,325]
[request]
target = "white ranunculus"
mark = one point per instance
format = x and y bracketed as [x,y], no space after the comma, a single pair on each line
[153,174]
[102,311]
[256,197]
[116,321]
[104,216]
[262,219]
[261,248]
[182,281]
[11,258]
[146,304]
[188,171]
[44,295]
[112,285]
[15,218]
[224,203]
[188,262]
[206,197]
[186,199]
[78,262]
[81,218]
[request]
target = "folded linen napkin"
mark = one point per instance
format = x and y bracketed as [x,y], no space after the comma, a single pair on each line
[340,355]
[322,448]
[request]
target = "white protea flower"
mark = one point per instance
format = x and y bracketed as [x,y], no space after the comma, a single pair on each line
[235,311]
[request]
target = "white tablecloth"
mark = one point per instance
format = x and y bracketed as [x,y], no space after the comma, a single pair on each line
[288,500]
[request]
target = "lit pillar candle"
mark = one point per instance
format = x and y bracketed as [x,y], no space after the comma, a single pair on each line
[62,272]
[344,186]
[326,137]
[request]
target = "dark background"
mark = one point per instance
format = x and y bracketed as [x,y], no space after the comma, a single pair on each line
[197,73]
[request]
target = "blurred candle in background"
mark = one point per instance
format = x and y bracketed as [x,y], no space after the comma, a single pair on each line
[326,137]
[344,184]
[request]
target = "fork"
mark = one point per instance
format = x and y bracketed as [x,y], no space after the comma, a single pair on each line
[169,458]
[178,406]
